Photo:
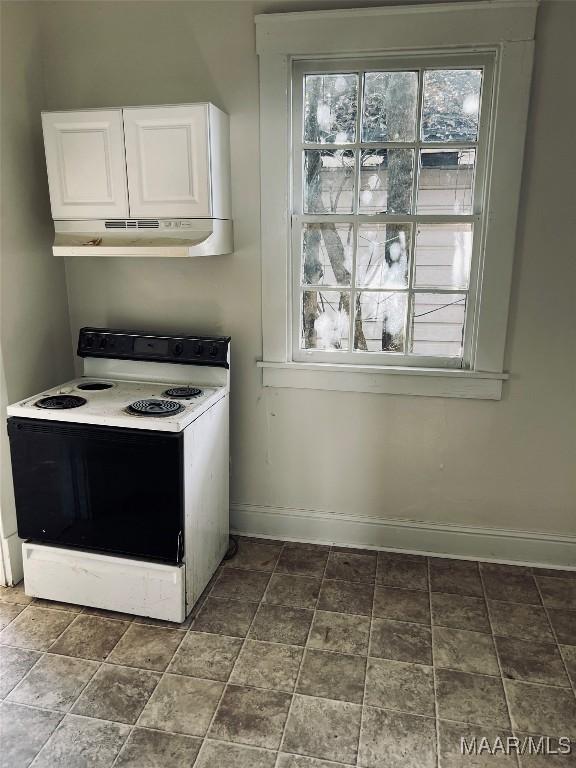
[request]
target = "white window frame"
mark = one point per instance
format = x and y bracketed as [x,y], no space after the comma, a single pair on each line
[503,31]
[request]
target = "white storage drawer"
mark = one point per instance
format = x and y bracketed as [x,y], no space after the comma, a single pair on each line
[104,581]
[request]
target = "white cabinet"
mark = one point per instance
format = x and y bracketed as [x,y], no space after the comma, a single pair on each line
[86,167]
[139,162]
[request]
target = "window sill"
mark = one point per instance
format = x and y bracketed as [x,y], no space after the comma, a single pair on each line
[427,382]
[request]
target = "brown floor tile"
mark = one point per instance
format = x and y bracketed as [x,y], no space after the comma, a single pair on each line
[356,551]
[15,595]
[281,624]
[146,647]
[542,709]
[511,583]
[255,556]
[526,622]
[407,741]
[456,577]
[346,597]
[556,573]
[465,651]
[451,747]
[80,742]
[398,570]
[55,682]
[268,665]
[24,731]
[402,604]
[332,676]
[36,628]
[183,625]
[117,693]
[340,632]
[350,567]
[301,761]
[14,664]
[251,716]
[402,686]
[558,593]
[569,655]
[104,614]
[303,561]
[151,749]
[241,584]
[531,661]
[207,656]
[564,625]
[225,617]
[215,754]
[296,591]
[182,705]
[57,605]
[321,728]
[90,637]
[470,698]
[460,612]
[401,641]
[9,611]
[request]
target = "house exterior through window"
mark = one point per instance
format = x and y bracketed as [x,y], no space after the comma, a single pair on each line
[388,180]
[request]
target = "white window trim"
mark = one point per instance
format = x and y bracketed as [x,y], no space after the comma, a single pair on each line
[505,27]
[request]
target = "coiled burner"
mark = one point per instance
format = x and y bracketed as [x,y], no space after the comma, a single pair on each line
[60,402]
[182,392]
[155,407]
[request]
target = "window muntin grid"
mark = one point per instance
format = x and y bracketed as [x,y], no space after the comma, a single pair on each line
[358,213]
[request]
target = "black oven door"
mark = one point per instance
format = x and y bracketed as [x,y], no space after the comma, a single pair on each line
[103,489]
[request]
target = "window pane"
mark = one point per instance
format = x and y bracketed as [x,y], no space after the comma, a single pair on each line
[325,320]
[328,181]
[389,106]
[382,255]
[386,180]
[451,104]
[443,254]
[438,324]
[327,254]
[446,181]
[379,321]
[330,105]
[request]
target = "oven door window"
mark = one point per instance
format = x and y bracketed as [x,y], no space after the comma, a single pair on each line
[99,488]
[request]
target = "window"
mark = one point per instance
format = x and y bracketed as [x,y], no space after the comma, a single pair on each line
[391,155]
[387,206]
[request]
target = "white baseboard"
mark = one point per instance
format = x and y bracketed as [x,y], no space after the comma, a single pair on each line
[12,557]
[443,540]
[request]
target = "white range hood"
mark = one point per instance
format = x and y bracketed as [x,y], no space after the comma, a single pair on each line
[143,237]
[140,181]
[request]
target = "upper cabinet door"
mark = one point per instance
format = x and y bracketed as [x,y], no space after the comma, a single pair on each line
[167,155]
[86,165]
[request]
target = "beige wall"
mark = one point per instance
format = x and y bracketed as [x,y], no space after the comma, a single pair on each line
[35,333]
[507,464]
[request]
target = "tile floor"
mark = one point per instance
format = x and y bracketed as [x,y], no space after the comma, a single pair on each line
[298,656]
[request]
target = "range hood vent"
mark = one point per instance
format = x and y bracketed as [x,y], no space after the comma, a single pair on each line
[132,224]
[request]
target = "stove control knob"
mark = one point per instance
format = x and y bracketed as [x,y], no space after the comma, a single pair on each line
[213,351]
[103,342]
[199,348]
[89,341]
[178,349]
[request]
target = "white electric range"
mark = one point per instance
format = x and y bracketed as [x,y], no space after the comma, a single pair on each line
[121,476]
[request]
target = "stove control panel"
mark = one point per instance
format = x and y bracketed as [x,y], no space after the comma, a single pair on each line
[136,345]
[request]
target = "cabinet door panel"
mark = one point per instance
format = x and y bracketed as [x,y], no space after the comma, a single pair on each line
[168,163]
[86,164]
